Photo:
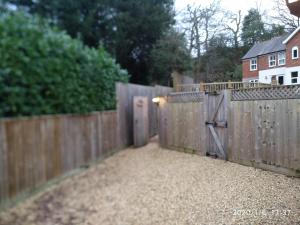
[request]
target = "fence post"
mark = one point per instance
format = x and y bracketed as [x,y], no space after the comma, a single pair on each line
[229,85]
[227,108]
[202,86]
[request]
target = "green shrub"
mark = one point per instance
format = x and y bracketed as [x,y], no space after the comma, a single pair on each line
[44,71]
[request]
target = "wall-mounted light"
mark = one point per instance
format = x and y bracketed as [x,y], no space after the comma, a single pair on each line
[155,100]
[159,100]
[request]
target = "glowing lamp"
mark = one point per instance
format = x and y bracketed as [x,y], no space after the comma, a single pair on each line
[155,100]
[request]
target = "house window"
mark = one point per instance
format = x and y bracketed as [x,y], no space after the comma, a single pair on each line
[253,81]
[281,58]
[295,53]
[281,80]
[272,60]
[253,64]
[294,77]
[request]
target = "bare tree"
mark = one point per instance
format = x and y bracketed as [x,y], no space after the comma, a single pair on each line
[202,23]
[211,22]
[192,22]
[284,16]
[234,26]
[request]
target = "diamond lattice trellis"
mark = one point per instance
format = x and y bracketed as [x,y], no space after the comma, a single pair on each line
[267,93]
[185,97]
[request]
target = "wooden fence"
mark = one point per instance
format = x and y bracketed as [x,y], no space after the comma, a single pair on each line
[35,150]
[218,86]
[125,95]
[265,134]
[180,126]
[260,130]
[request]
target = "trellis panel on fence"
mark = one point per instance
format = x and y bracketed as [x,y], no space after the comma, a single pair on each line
[267,93]
[185,97]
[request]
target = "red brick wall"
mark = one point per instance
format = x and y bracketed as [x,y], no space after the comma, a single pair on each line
[263,64]
[295,41]
[246,70]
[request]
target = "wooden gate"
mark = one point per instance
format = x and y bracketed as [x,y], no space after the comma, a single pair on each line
[216,123]
[141,121]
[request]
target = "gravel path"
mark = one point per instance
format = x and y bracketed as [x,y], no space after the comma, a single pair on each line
[151,185]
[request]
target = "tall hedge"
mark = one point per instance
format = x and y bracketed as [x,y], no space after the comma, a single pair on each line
[44,71]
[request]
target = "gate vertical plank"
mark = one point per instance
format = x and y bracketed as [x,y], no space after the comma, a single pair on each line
[217,141]
[141,121]
[292,134]
[173,126]
[285,120]
[272,132]
[163,122]
[202,128]
[278,140]
[176,125]
[217,107]
[297,153]
[258,133]
[12,145]
[231,132]
[238,129]
[206,117]
[252,130]
[226,100]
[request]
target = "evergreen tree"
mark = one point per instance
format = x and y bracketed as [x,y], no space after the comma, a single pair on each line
[127,29]
[169,54]
[253,28]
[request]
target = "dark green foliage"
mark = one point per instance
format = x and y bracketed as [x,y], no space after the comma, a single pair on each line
[275,30]
[253,28]
[221,60]
[140,23]
[2,7]
[44,71]
[169,54]
[127,29]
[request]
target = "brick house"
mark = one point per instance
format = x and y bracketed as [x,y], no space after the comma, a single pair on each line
[294,7]
[274,61]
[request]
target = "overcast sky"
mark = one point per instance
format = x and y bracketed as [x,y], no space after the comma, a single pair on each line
[232,5]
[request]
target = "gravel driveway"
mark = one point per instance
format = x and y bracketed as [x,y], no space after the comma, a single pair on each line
[151,185]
